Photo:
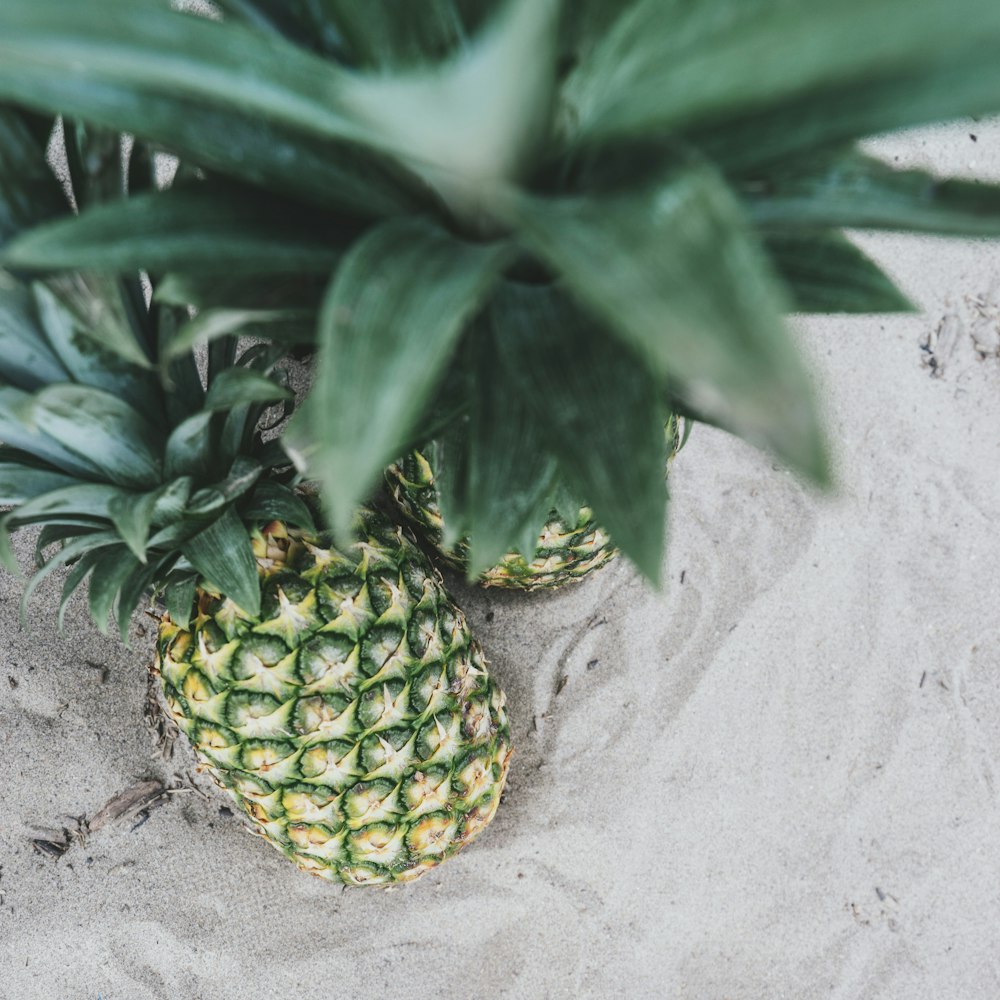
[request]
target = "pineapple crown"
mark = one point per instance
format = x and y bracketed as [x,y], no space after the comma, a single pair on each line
[527,229]
[138,464]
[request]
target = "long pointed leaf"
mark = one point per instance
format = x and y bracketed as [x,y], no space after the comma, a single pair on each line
[666,64]
[195,228]
[601,411]
[670,266]
[393,314]
[223,555]
[855,191]
[826,273]
[510,471]
[103,429]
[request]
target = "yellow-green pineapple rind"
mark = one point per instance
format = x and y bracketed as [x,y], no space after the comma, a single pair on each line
[354,721]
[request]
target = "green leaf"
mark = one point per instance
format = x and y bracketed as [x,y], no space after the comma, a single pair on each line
[223,555]
[65,309]
[270,501]
[189,450]
[102,429]
[600,409]
[132,591]
[667,65]
[243,292]
[394,312]
[179,599]
[390,35]
[849,189]
[110,572]
[26,361]
[240,386]
[18,431]
[220,95]
[80,500]
[19,483]
[475,120]
[132,514]
[668,263]
[29,191]
[68,553]
[828,274]
[80,571]
[214,323]
[195,227]
[100,308]
[934,90]
[510,471]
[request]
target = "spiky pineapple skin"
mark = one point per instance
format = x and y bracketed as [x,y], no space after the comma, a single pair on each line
[565,552]
[354,721]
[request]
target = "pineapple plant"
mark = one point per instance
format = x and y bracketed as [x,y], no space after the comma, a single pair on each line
[333,689]
[543,225]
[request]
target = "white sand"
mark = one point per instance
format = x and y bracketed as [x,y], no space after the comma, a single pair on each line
[777,779]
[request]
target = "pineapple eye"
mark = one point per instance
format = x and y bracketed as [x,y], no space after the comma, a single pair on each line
[381,644]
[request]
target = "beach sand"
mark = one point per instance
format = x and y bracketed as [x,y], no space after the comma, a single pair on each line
[777,778]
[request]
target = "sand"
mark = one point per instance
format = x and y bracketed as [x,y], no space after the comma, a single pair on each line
[775,779]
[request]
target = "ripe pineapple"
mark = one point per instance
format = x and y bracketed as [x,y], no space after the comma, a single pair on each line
[334,690]
[353,719]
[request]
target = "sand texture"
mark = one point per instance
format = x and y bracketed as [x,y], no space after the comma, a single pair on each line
[778,778]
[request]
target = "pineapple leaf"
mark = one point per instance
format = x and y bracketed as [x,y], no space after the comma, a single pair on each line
[391,319]
[238,386]
[18,431]
[80,571]
[132,591]
[19,483]
[111,569]
[222,554]
[196,227]
[936,89]
[102,310]
[69,552]
[827,273]
[132,515]
[225,96]
[26,361]
[670,266]
[103,429]
[475,119]
[856,191]
[214,323]
[510,472]
[79,500]
[387,35]
[64,311]
[601,411]
[272,501]
[448,455]
[179,598]
[670,64]
[29,191]
[189,450]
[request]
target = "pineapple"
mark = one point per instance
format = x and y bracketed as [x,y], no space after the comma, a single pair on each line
[333,689]
[570,545]
[353,718]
